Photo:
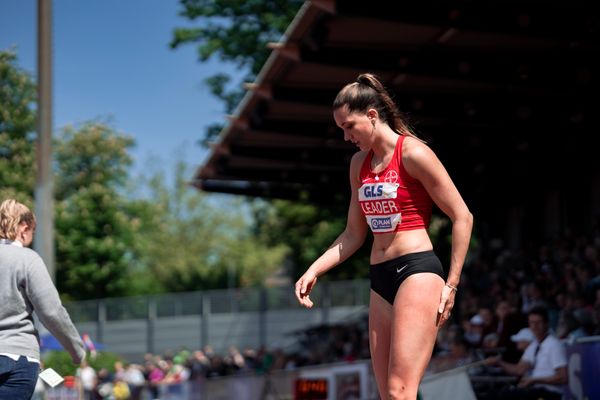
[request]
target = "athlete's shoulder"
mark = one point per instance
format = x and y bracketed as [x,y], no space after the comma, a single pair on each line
[358,158]
[360,155]
[412,144]
[356,164]
[414,149]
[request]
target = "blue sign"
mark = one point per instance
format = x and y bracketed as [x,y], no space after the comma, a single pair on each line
[584,371]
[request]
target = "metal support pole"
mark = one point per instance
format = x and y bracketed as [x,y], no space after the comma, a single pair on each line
[101,322]
[44,196]
[262,318]
[206,311]
[151,325]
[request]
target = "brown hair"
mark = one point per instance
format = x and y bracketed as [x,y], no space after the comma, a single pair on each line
[368,92]
[13,214]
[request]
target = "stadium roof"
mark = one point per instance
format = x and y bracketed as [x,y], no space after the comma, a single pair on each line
[502,91]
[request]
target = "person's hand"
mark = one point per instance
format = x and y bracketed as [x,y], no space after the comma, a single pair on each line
[303,288]
[526,381]
[78,360]
[446,304]
[491,361]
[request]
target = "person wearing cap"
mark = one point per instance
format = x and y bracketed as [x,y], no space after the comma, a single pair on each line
[518,343]
[523,338]
[474,330]
[543,366]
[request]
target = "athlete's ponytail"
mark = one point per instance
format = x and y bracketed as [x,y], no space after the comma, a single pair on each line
[368,92]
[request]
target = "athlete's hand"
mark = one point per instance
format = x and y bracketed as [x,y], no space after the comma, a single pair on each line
[446,304]
[303,288]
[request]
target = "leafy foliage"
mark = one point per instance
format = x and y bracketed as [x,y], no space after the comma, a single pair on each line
[237,32]
[110,243]
[194,241]
[17,130]
[95,231]
[308,229]
[61,362]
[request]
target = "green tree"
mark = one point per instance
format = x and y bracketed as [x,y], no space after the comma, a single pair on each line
[17,130]
[237,32]
[196,241]
[61,362]
[95,229]
[308,229]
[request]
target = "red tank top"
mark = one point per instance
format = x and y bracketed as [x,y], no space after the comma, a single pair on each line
[392,200]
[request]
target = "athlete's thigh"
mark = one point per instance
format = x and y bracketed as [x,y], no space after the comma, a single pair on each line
[414,325]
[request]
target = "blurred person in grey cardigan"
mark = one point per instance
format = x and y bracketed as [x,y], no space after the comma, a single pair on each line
[25,287]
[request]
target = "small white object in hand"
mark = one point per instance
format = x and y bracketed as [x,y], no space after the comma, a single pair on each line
[51,377]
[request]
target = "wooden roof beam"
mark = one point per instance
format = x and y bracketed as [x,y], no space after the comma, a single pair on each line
[239,122]
[324,5]
[262,163]
[263,91]
[288,140]
[291,51]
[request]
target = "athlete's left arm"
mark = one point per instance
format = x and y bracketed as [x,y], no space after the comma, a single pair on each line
[422,163]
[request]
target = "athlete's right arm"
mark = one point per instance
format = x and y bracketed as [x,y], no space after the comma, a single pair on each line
[346,243]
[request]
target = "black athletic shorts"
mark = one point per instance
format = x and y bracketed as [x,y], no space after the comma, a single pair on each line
[386,277]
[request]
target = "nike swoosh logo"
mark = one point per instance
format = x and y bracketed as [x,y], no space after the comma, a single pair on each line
[398,270]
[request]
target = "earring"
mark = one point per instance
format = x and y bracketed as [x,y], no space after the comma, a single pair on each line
[373,123]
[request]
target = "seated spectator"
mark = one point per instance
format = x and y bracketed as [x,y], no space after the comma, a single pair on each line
[217,367]
[120,389]
[543,366]
[509,323]
[490,324]
[490,342]
[585,323]
[445,337]
[566,324]
[236,360]
[532,296]
[458,355]
[155,377]
[474,330]
[88,380]
[105,386]
[135,379]
[510,320]
[199,365]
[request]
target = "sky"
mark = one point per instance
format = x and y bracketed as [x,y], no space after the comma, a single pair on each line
[112,62]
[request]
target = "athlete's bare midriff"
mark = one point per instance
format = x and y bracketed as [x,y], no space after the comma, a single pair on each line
[387,246]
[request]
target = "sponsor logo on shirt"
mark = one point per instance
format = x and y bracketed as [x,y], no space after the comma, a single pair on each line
[381,223]
[376,191]
[391,176]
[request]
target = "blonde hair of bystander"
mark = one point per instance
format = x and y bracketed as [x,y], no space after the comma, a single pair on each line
[12,215]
